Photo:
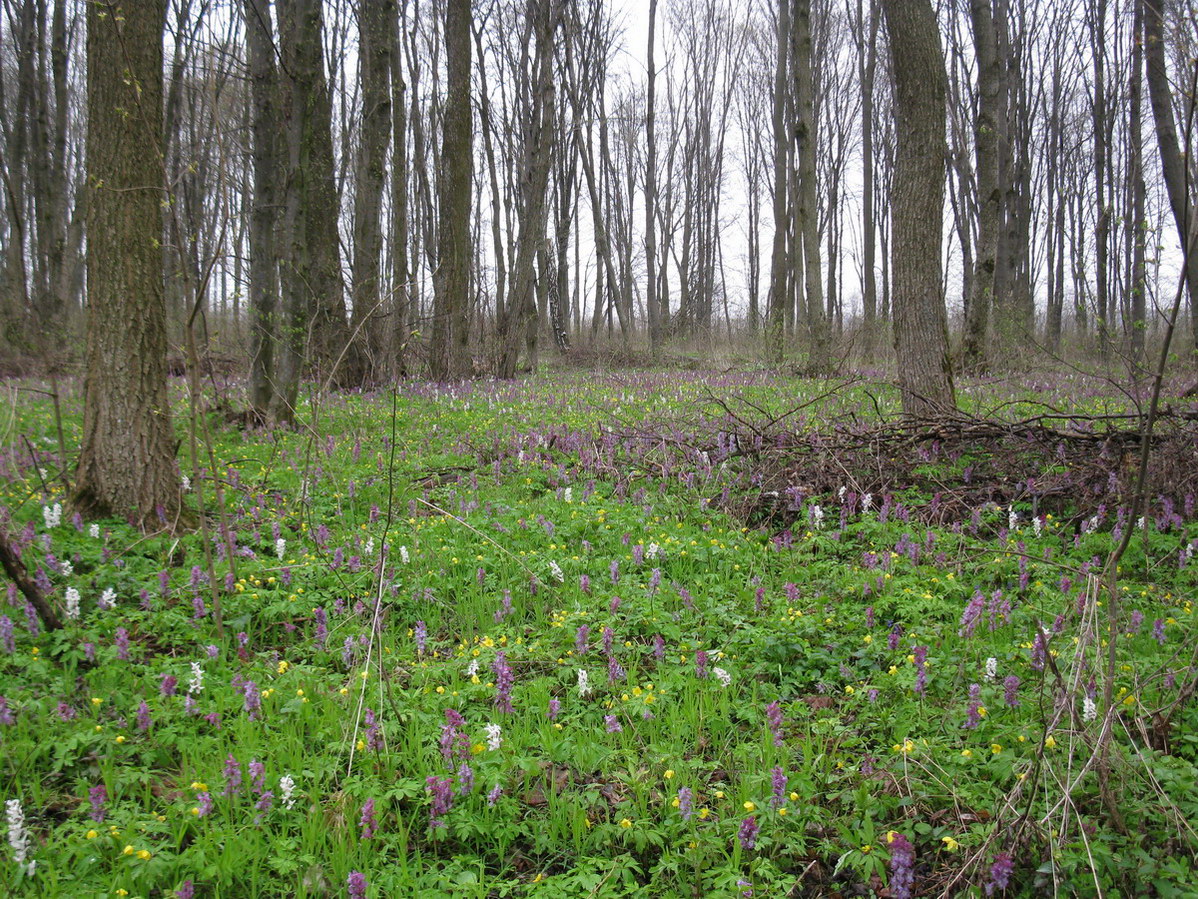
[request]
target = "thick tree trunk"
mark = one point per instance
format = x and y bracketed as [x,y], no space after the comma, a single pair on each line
[270,398]
[449,354]
[917,199]
[126,463]
[400,276]
[374,60]
[1172,159]
[317,300]
[807,211]
[989,195]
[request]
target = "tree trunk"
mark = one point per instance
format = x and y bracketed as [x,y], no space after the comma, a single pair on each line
[778,295]
[375,19]
[652,313]
[807,211]
[270,399]
[917,199]
[127,459]
[985,136]
[1172,160]
[450,354]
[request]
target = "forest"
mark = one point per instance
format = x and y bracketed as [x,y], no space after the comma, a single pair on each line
[584,448]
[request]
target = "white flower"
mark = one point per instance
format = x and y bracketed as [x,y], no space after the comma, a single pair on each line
[556,571]
[403,554]
[197,679]
[722,676]
[568,494]
[107,599]
[1089,709]
[94,531]
[1037,525]
[1090,524]
[584,683]
[652,550]
[991,668]
[840,493]
[280,547]
[52,515]
[65,568]
[867,500]
[1140,523]
[1012,519]
[817,516]
[368,549]
[18,836]
[494,736]
[72,603]
[286,788]
[185,482]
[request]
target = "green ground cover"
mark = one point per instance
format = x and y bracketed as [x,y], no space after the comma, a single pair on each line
[602,635]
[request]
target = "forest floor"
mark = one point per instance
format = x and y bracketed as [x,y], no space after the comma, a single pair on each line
[634,633]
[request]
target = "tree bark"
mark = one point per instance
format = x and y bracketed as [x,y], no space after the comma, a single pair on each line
[778,295]
[127,459]
[449,354]
[1172,160]
[917,199]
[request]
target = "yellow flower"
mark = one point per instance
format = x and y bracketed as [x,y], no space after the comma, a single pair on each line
[143,854]
[719,794]
[996,748]
[905,747]
[967,753]
[128,850]
[704,813]
[625,823]
[122,892]
[782,811]
[867,849]
[361,745]
[869,638]
[749,806]
[1050,742]
[669,773]
[96,700]
[893,669]
[91,834]
[950,844]
[120,738]
[794,797]
[849,689]
[283,666]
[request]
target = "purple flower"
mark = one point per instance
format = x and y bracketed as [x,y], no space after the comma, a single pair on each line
[892,640]
[1039,651]
[503,683]
[686,802]
[453,739]
[169,685]
[367,820]
[264,805]
[322,626]
[701,663]
[66,712]
[440,790]
[253,699]
[615,671]
[374,733]
[975,703]
[505,606]
[494,794]
[972,614]
[356,885]
[232,775]
[584,584]
[902,866]
[778,783]
[580,639]
[465,778]
[612,723]
[609,637]
[421,633]
[121,640]
[98,796]
[257,775]
[555,707]
[205,806]
[659,647]
[1158,630]
[615,571]
[186,890]
[748,832]
[144,721]
[1000,873]
[6,635]
[1011,691]
[614,605]
[773,720]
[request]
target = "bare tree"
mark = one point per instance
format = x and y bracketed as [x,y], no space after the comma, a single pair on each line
[126,462]
[920,330]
